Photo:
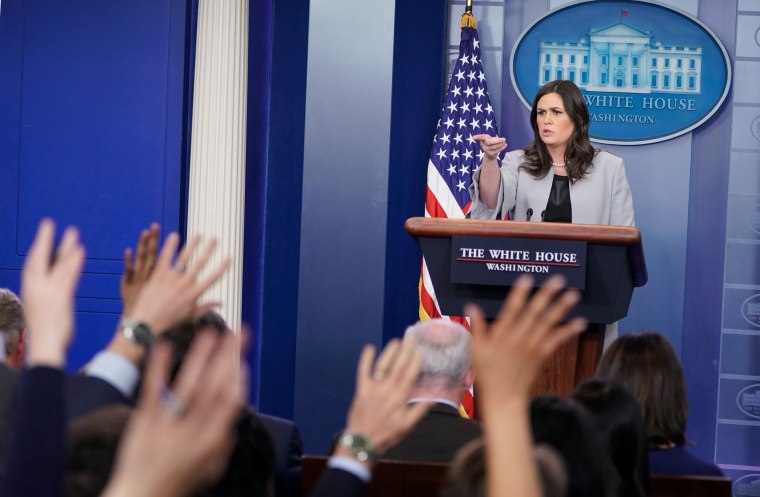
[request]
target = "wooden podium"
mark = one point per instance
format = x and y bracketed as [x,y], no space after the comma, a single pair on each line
[614,266]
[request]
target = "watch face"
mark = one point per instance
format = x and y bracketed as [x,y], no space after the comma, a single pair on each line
[143,335]
[359,446]
[362,450]
[139,333]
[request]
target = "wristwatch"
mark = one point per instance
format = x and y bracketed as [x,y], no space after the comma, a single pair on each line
[359,446]
[137,332]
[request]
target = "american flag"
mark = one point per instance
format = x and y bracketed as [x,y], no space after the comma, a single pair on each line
[455,155]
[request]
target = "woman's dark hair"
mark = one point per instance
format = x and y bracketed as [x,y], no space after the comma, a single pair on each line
[579,152]
[183,335]
[566,426]
[646,364]
[618,423]
[181,338]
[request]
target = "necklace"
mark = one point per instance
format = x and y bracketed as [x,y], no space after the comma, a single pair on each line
[560,165]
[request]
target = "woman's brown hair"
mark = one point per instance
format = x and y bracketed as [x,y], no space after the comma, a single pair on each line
[579,152]
[646,364]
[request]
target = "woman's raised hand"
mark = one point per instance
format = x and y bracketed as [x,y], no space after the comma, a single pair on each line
[491,145]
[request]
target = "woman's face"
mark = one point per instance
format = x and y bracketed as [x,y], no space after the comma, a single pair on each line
[554,125]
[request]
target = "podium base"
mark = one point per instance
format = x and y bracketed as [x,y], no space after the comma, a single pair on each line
[580,355]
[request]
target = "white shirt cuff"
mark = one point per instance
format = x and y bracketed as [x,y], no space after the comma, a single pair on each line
[350,465]
[116,370]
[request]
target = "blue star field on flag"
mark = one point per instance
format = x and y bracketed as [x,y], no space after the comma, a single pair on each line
[467,111]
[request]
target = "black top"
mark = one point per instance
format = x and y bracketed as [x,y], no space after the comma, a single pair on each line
[558,208]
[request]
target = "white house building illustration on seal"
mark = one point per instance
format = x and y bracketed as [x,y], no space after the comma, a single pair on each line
[621,58]
[751,399]
[751,489]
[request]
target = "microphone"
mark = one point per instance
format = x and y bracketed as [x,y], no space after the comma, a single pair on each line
[528,214]
[543,215]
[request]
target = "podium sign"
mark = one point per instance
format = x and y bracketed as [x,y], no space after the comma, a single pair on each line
[500,261]
[612,263]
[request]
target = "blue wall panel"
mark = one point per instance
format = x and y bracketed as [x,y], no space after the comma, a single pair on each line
[739,354]
[742,263]
[344,206]
[415,109]
[738,445]
[371,110]
[708,205]
[274,207]
[259,73]
[92,133]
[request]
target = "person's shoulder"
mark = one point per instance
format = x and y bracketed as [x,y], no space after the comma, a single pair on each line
[7,374]
[605,158]
[451,415]
[606,165]
[702,467]
[515,155]
[513,159]
[680,461]
[279,428]
[275,420]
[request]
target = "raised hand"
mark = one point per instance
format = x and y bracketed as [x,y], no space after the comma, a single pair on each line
[491,145]
[379,410]
[178,442]
[171,294]
[138,270]
[489,182]
[47,290]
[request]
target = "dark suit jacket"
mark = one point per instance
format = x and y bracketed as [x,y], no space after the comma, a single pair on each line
[7,393]
[85,394]
[35,457]
[288,449]
[437,436]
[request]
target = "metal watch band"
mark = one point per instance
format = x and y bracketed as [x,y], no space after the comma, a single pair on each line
[137,332]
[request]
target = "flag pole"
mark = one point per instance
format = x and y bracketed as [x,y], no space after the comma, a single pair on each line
[468,21]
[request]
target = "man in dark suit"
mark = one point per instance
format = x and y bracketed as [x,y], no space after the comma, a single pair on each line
[444,377]
[288,448]
[8,379]
[12,329]
[12,346]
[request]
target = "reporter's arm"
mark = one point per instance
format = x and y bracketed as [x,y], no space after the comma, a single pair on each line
[507,357]
[37,442]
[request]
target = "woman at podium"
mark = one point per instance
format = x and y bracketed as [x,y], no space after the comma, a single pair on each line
[560,176]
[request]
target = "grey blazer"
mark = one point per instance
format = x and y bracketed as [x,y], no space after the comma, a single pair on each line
[603,196]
